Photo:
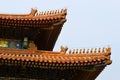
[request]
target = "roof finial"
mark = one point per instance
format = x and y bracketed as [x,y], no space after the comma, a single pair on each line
[32,46]
[108,50]
[80,51]
[33,11]
[87,51]
[95,50]
[91,50]
[73,51]
[103,50]
[76,51]
[84,50]
[63,49]
[70,51]
[99,50]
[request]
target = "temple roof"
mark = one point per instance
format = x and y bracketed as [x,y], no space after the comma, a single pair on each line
[74,58]
[34,18]
[41,27]
[81,62]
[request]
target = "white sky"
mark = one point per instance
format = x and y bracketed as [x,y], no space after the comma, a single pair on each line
[90,24]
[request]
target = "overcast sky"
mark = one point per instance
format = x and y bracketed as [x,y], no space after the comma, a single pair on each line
[90,24]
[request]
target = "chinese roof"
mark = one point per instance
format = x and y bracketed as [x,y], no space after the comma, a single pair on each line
[41,27]
[44,28]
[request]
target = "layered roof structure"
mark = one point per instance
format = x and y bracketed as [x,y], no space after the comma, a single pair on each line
[73,59]
[43,29]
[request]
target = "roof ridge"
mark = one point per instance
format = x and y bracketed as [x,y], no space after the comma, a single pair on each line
[34,12]
[52,12]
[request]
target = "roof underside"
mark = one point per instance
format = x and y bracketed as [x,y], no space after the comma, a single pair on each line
[42,28]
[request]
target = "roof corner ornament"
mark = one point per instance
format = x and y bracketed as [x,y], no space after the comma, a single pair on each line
[33,12]
[32,47]
[65,11]
[64,49]
[109,62]
[108,50]
[95,50]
